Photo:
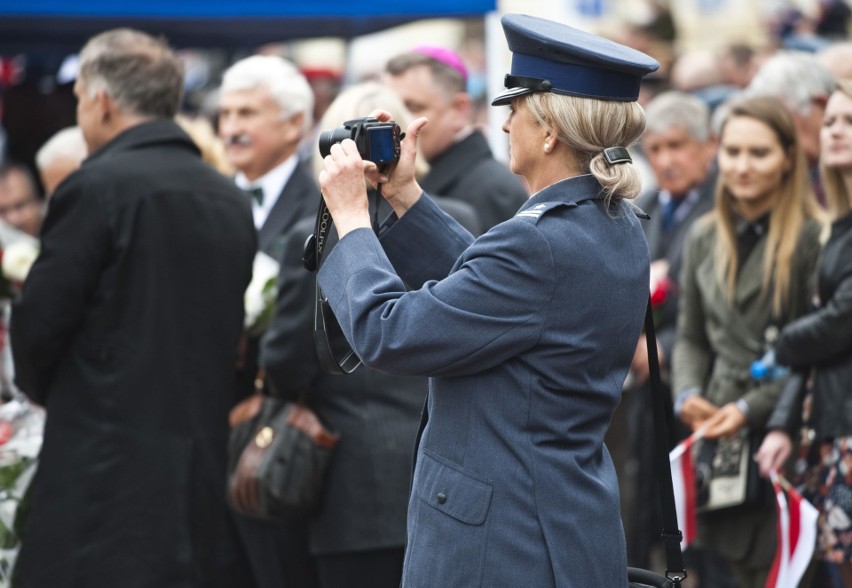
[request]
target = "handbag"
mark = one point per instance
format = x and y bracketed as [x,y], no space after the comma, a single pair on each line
[278,458]
[727,476]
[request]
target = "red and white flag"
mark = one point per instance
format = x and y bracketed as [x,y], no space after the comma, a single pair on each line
[683,481]
[797,528]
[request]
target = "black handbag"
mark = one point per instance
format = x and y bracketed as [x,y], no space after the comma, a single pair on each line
[663,422]
[727,476]
[278,457]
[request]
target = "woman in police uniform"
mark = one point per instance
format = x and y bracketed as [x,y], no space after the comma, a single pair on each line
[526,332]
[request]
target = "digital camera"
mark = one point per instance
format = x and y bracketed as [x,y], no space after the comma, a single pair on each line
[378,142]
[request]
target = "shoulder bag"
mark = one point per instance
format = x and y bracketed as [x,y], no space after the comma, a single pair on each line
[278,458]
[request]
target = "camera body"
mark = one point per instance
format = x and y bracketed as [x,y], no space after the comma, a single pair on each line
[377,141]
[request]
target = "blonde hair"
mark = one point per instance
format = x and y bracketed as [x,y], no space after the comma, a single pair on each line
[787,217]
[588,126]
[360,100]
[836,195]
[202,134]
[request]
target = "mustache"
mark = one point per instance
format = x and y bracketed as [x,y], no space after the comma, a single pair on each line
[237,140]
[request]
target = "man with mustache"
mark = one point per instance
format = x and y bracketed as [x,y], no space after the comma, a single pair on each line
[265,109]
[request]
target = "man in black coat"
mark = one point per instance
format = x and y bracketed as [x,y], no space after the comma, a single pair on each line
[127,332]
[432,83]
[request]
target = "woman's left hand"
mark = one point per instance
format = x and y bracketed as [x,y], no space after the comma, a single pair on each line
[725,422]
[344,187]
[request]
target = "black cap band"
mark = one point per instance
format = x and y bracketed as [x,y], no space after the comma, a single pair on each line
[534,84]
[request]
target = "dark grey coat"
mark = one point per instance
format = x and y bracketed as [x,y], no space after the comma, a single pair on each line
[376,415]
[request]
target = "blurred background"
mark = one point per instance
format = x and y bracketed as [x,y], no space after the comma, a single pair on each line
[338,42]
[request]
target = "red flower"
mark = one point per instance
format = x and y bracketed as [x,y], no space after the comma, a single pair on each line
[660,292]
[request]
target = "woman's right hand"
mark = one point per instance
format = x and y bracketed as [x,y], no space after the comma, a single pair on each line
[773,452]
[399,186]
[696,410]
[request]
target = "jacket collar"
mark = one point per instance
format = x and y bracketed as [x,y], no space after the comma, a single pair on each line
[570,190]
[154,132]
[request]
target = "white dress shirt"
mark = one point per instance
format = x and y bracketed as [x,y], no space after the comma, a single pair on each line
[272,183]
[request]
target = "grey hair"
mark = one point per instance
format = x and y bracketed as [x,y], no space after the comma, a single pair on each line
[674,109]
[141,74]
[285,83]
[67,144]
[794,77]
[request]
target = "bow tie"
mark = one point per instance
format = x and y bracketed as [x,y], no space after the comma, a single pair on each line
[256,193]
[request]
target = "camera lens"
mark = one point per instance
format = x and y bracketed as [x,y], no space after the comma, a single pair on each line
[332,136]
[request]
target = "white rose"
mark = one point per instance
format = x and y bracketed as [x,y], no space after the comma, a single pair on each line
[260,293]
[18,258]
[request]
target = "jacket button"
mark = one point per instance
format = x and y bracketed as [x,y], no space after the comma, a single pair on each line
[442,497]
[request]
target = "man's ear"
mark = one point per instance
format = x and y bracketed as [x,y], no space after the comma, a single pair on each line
[105,105]
[294,126]
[463,105]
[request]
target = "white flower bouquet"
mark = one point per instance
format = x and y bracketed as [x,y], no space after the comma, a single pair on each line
[260,294]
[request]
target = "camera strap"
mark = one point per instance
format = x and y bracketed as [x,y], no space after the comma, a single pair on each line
[333,351]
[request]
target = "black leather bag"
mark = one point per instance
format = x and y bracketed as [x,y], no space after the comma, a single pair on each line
[278,457]
[726,474]
[639,578]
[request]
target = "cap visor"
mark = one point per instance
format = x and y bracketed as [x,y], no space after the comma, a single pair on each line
[507,96]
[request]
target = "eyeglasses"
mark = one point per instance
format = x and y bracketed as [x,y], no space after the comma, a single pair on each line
[16,207]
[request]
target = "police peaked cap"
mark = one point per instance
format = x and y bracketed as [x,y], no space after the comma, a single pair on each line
[548,56]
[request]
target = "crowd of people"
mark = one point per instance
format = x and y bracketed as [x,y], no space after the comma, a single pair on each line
[496,306]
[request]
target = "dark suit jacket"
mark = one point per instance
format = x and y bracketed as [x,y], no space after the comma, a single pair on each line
[299,199]
[668,245]
[469,172]
[126,331]
[376,414]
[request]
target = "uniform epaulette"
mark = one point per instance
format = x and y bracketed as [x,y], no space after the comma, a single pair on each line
[535,212]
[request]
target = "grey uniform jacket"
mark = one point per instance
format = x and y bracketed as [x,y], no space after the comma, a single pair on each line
[527,339]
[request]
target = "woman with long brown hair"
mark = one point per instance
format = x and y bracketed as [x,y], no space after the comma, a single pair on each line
[747,269]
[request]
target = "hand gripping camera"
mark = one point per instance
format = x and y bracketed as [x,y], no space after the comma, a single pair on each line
[378,142]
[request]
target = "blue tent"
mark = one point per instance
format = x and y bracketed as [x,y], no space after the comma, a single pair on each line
[64,25]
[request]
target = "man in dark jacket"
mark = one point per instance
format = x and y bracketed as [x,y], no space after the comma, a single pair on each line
[127,332]
[265,109]
[432,83]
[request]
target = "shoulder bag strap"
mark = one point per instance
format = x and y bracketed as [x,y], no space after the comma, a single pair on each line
[663,423]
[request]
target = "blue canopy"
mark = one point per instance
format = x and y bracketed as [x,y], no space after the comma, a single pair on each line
[64,25]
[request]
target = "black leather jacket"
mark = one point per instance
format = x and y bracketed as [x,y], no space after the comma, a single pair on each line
[822,341]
